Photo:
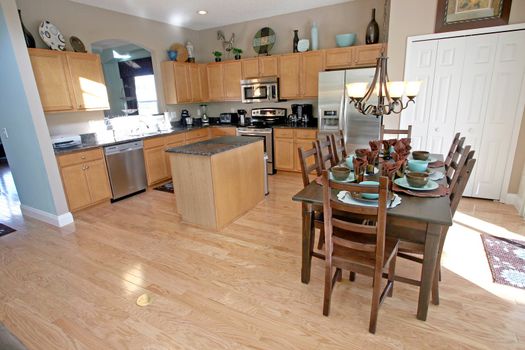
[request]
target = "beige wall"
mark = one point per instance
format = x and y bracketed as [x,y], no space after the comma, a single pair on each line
[93,24]
[349,17]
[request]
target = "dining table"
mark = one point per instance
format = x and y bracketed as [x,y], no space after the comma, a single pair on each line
[416,220]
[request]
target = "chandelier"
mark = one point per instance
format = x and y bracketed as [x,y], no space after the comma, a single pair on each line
[389,93]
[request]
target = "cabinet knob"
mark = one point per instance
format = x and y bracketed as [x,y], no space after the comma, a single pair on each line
[87,167]
[83,157]
[436,129]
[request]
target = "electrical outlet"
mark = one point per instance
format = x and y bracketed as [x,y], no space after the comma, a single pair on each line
[4,133]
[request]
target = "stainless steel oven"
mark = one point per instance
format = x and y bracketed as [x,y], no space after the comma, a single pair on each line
[260,90]
[266,134]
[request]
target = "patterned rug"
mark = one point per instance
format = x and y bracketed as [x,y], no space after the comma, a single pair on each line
[506,260]
[4,230]
[167,187]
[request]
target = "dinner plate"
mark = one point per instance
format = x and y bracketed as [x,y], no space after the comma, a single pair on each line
[52,36]
[77,44]
[430,186]
[350,178]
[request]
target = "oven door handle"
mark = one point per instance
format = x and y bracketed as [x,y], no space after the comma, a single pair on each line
[258,135]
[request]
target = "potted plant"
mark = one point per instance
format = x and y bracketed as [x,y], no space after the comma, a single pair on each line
[217,55]
[237,53]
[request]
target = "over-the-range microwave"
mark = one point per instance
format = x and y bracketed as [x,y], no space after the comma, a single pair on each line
[260,90]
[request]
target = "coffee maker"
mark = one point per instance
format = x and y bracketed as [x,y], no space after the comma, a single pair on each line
[304,113]
[243,117]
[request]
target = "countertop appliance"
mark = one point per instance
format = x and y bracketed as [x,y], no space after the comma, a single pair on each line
[335,111]
[264,117]
[125,163]
[260,90]
[229,118]
[185,118]
[243,117]
[304,113]
[266,134]
[65,141]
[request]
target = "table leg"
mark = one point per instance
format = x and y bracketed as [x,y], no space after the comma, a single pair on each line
[306,262]
[429,267]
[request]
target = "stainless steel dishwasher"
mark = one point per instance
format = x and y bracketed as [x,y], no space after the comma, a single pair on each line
[127,174]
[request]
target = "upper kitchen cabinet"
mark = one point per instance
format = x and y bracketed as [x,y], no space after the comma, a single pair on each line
[268,66]
[298,74]
[69,81]
[250,68]
[203,75]
[350,57]
[88,81]
[215,81]
[232,74]
[176,82]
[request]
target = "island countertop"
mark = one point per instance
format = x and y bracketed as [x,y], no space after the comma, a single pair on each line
[214,146]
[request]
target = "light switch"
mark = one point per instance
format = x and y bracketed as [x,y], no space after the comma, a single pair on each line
[4,133]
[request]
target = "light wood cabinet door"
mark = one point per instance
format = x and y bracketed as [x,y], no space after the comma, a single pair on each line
[268,66]
[76,186]
[52,79]
[168,82]
[250,68]
[203,75]
[284,154]
[232,75]
[87,81]
[215,84]
[97,180]
[156,166]
[195,82]
[339,58]
[218,132]
[313,63]
[289,69]
[366,55]
[182,82]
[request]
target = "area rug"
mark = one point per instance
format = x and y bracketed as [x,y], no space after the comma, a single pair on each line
[4,230]
[167,187]
[506,260]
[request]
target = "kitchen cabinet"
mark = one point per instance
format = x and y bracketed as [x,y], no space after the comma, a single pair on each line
[232,75]
[84,178]
[69,81]
[197,135]
[250,68]
[352,57]
[203,75]
[184,82]
[195,83]
[157,169]
[268,66]
[299,74]
[286,144]
[222,131]
[215,81]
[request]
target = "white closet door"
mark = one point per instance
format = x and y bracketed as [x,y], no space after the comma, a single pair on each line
[502,109]
[420,65]
[445,94]
[474,94]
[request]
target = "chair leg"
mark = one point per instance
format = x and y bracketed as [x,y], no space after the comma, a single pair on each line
[327,288]
[351,278]
[435,285]
[320,243]
[376,295]
[392,275]
[338,274]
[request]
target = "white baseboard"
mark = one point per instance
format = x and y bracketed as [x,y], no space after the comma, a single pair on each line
[515,200]
[55,220]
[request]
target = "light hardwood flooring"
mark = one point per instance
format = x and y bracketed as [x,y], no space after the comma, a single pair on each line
[75,288]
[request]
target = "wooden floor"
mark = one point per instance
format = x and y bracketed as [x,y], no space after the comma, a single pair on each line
[76,288]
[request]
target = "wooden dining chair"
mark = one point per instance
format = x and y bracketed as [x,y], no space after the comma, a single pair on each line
[325,153]
[358,247]
[452,149]
[458,161]
[414,252]
[339,146]
[398,132]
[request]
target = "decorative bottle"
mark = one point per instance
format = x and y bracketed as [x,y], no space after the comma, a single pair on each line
[372,30]
[30,41]
[315,37]
[295,39]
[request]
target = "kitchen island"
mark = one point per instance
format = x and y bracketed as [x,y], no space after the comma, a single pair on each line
[216,181]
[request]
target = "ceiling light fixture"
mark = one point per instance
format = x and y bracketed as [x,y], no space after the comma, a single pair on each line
[202,12]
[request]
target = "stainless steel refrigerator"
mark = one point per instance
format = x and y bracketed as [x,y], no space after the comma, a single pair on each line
[336,113]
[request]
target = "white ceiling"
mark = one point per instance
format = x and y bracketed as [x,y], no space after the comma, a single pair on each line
[220,12]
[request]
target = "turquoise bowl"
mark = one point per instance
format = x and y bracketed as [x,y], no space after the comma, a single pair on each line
[419,166]
[344,40]
[370,195]
[350,161]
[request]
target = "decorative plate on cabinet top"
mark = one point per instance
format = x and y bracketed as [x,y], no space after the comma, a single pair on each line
[77,44]
[52,36]
[182,52]
[264,40]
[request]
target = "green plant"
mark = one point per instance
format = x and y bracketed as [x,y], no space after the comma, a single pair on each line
[217,54]
[237,51]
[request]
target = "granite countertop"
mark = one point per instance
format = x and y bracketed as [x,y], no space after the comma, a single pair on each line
[214,146]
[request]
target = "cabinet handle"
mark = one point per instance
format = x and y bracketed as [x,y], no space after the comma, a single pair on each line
[83,157]
[87,167]
[83,167]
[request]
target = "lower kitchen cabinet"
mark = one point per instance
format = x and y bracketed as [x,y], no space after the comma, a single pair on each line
[286,144]
[85,178]
[156,167]
[222,131]
[284,157]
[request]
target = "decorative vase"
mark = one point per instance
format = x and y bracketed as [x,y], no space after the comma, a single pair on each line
[372,30]
[295,39]
[30,40]
[237,57]
[315,37]
[217,59]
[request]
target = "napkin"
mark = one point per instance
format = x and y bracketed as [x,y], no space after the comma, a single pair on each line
[375,145]
[389,169]
[346,197]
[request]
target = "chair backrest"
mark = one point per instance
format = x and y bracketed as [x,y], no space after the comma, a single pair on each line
[309,161]
[398,132]
[452,149]
[458,160]
[368,236]
[457,191]
[339,146]
[325,153]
